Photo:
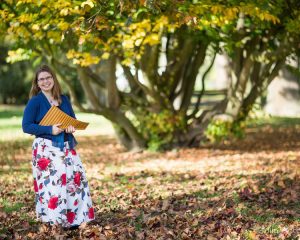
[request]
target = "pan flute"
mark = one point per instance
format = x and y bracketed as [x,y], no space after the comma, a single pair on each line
[56,116]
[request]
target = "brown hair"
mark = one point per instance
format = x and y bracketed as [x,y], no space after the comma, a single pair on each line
[56,90]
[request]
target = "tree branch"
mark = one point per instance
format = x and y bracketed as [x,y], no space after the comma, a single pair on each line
[130,78]
[192,75]
[84,80]
[196,109]
[95,77]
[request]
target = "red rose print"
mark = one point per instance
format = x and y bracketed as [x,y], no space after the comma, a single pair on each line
[73,152]
[41,200]
[91,213]
[52,204]
[77,178]
[43,163]
[76,202]
[34,152]
[63,179]
[41,186]
[67,152]
[35,185]
[71,217]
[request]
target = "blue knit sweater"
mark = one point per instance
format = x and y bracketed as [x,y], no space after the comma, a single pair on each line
[36,109]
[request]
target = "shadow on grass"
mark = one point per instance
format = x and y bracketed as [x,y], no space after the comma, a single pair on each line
[12,153]
[265,138]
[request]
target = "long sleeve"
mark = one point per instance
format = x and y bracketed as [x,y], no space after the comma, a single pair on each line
[29,120]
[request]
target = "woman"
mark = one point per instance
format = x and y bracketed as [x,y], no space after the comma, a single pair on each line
[60,184]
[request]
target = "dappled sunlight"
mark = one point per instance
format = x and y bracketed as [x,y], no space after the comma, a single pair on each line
[245,163]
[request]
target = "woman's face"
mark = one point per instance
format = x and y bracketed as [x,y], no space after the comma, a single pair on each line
[45,81]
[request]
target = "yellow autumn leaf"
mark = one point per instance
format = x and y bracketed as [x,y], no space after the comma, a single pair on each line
[45,27]
[217,9]
[138,42]
[127,62]
[71,54]
[63,25]
[20,2]
[44,11]
[26,18]
[39,35]
[83,59]
[160,23]
[152,39]
[88,3]
[105,55]
[88,59]
[35,27]
[54,36]
[128,43]
[138,56]
[18,55]
[64,12]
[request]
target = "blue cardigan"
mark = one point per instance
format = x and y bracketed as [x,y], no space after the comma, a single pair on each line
[36,109]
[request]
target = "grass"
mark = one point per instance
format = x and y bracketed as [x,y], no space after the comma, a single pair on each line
[10,207]
[273,122]
[264,217]
[11,121]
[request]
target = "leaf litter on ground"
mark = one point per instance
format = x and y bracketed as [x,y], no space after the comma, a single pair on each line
[238,189]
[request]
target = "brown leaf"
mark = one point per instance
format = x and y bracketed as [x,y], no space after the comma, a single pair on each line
[252,235]
[210,237]
[165,205]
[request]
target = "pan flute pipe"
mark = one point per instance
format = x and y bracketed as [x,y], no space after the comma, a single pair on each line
[55,116]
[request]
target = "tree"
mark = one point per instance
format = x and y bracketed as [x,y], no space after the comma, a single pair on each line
[154,109]
[13,75]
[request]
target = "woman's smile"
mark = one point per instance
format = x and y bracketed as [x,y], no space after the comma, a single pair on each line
[47,85]
[45,81]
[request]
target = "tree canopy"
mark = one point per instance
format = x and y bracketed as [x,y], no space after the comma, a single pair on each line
[154,109]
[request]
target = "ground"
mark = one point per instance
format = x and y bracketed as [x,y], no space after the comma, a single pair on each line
[239,189]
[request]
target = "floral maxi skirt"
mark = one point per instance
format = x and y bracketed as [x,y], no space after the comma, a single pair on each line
[60,185]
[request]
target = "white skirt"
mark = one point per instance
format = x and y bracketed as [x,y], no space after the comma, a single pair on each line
[60,185]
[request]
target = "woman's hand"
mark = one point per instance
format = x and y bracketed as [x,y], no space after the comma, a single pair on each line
[56,130]
[70,129]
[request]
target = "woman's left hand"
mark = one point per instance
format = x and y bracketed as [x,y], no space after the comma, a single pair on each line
[70,129]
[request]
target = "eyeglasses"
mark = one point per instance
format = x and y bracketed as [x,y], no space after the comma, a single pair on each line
[46,78]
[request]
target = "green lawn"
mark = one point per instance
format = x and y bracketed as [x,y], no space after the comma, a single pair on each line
[273,122]
[11,120]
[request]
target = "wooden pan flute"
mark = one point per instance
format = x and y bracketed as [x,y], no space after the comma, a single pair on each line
[56,116]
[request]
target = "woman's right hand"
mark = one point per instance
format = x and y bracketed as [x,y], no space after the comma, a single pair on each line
[56,130]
